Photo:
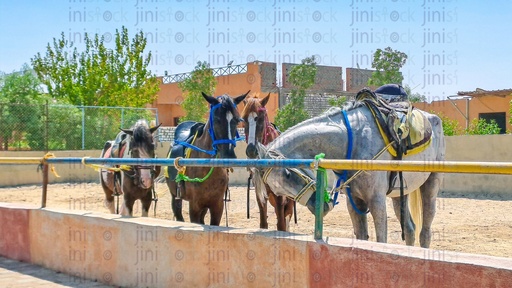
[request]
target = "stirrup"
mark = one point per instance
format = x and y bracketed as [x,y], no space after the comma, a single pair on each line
[178,191]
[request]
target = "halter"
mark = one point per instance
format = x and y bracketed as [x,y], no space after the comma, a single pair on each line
[136,168]
[216,142]
[268,130]
[307,190]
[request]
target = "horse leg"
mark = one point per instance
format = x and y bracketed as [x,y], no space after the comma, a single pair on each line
[408,226]
[176,204]
[261,199]
[109,193]
[196,213]
[359,221]
[279,209]
[216,213]
[146,203]
[127,208]
[377,208]
[177,208]
[288,212]
[429,192]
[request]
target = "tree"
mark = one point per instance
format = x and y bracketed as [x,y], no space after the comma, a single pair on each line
[414,97]
[200,80]
[20,109]
[98,76]
[302,77]
[387,63]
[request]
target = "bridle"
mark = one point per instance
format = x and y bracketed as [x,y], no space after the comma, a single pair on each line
[212,133]
[305,193]
[134,173]
[269,132]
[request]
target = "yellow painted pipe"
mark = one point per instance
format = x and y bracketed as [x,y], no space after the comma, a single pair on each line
[419,166]
[21,160]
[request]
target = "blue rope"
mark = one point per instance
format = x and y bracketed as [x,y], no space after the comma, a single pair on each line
[342,177]
[209,152]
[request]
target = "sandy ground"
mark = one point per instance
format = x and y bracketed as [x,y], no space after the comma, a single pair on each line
[477,226]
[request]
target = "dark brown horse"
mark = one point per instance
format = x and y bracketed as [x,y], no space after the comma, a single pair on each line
[134,182]
[258,129]
[204,187]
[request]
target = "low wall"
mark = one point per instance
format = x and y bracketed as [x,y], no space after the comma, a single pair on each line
[494,148]
[161,253]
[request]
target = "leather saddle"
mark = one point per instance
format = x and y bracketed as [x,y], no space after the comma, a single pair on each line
[184,132]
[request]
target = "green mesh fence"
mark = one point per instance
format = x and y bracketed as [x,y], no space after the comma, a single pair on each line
[61,127]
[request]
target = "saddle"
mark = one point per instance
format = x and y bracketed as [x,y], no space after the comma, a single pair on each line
[118,142]
[407,127]
[185,132]
[399,122]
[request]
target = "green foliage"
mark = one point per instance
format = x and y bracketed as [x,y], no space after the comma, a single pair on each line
[20,109]
[337,102]
[98,76]
[482,127]
[476,127]
[450,127]
[201,80]
[387,62]
[302,77]
[414,97]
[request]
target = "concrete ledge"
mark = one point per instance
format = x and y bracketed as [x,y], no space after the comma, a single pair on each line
[162,253]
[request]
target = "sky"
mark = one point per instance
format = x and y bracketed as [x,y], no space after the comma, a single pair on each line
[451,45]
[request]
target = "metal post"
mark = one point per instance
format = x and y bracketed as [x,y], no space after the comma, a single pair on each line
[45,184]
[83,128]
[319,207]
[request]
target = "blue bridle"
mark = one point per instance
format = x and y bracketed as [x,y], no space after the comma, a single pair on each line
[212,133]
[216,142]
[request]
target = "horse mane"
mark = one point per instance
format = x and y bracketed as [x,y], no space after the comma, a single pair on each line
[228,104]
[141,134]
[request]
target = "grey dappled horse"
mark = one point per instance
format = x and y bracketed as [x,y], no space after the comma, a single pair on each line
[327,134]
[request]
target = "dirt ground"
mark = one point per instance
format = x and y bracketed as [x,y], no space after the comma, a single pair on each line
[462,224]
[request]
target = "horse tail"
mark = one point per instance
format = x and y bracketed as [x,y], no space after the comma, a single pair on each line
[416,209]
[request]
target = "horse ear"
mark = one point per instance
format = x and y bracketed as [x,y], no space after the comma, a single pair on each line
[240,98]
[264,101]
[210,99]
[127,131]
[152,130]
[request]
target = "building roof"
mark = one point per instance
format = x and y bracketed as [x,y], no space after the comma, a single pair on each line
[481,92]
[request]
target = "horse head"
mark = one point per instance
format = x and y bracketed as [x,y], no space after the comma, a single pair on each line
[141,145]
[297,184]
[223,122]
[255,121]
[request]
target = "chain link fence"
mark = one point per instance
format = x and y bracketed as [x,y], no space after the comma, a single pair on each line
[48,127]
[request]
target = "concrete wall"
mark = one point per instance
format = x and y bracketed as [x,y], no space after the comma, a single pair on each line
[494,148]
[148,252]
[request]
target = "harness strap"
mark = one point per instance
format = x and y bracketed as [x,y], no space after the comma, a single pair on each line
[342,177]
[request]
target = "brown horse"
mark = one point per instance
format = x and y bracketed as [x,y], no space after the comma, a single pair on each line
[204,187]
[135,182]
[258,129]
